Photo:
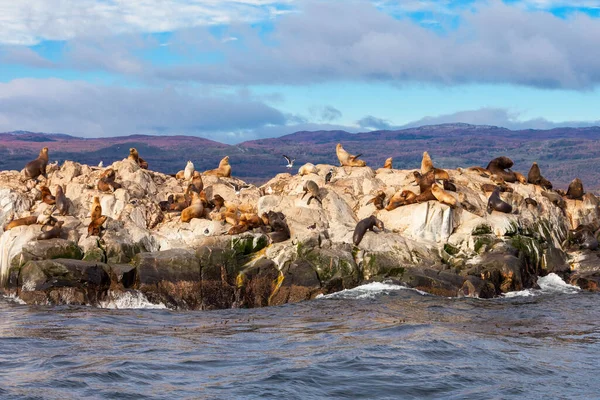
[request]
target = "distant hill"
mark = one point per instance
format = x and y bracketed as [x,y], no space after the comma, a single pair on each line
[562,153]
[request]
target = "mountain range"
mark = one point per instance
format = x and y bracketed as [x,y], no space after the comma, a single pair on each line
[562,153]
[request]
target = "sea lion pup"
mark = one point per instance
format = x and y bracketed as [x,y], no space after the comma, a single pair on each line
[37,167]
[449,185]
[427,165]
[499,165]
[20,222]
[135,156]
[231,215]
[388,163]
[497,204]
[246,222]
[378,200]
[47,196]
[575,190]
[55,232]
[96,209]
[166,204]
[280,231]
[197,182]
[312,188]
[363,225]
[224,170]
[62,203]
[196,210]
[401,198]
[218,201]
[95,226]
[555,199]
[107,183]
[520,178]
[307,168]
[347,159]
[443,196]
[535,176]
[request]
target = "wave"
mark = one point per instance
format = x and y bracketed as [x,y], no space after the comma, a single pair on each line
[548,284]
[369,291]
[128,300]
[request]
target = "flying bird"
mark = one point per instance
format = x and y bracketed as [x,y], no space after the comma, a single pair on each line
[237,187]
[290,163]
[329,175]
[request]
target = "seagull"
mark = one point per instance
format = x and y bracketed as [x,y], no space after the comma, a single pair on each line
[329,175]
[290,163]
[101,164]
[237,188]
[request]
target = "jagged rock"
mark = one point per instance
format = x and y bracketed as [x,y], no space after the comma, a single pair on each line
[256,284]
[300,282]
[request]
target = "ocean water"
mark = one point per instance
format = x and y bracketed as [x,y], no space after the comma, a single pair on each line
[376,341]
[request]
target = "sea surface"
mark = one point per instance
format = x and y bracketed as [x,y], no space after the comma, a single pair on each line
[378,341]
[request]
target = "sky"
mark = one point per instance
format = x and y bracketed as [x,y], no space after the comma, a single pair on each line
[240,70]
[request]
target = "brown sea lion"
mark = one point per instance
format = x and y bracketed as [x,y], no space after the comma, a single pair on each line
[135,156]
[197,182]
[575,191]
[497,179]
[489,187]
[195,210]
[47,196]
[535,176]
[449,185]
[401,198]
[363,225]
[443,196]
[62,203]
[280,230]
[223,171]
[495,203]
[231,215]
[347,159]
[55,232]
[585,237]
[499,165]
[106,182]
[246,222]
[555,199]
[312,188]
[521,178]
[480,170]
[378,200]
[95,226]
[37,167]
[218,201]
[20,221]
[388,163]
[96,209]
[166,204]
[424,180]
[427,165]
[530,202]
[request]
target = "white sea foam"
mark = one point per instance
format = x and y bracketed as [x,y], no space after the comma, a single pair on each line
[13,298]
[550,283]
[368,291]
[129,299]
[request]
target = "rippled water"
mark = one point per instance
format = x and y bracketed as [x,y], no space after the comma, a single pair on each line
[377,341]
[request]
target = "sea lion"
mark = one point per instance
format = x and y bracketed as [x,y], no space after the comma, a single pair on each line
[388,163]
[62,203]
[555,199]
[195,210]
[223,171]
[499,165]
[231,215]
[37,167]
[95,226]
[497,179]
[55,232]
[378,200]
[534,176]
[246,222]
[312,188]
[424,181]
[135,156]
[443,196]
[468,206]
[106,182]
[166,204]
[449,185]
[188,172]
[280,230]
[197,182]
[96,209]
[530,202]
[347,159]
[521,178]
[427,165]
[401,198]
[363,225]
[218,201]
[584,236]
[47,196]
[307,168]
[575,191]
[20,222]
[480,170]
[497,204]
[488,187]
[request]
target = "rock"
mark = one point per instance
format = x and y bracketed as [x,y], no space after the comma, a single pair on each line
[299,282]
[256,284]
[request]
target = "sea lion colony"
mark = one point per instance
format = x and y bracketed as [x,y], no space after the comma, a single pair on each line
[434,184]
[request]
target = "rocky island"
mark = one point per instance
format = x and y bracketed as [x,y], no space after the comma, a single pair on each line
[233,255]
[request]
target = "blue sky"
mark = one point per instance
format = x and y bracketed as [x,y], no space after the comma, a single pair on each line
[239,70]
